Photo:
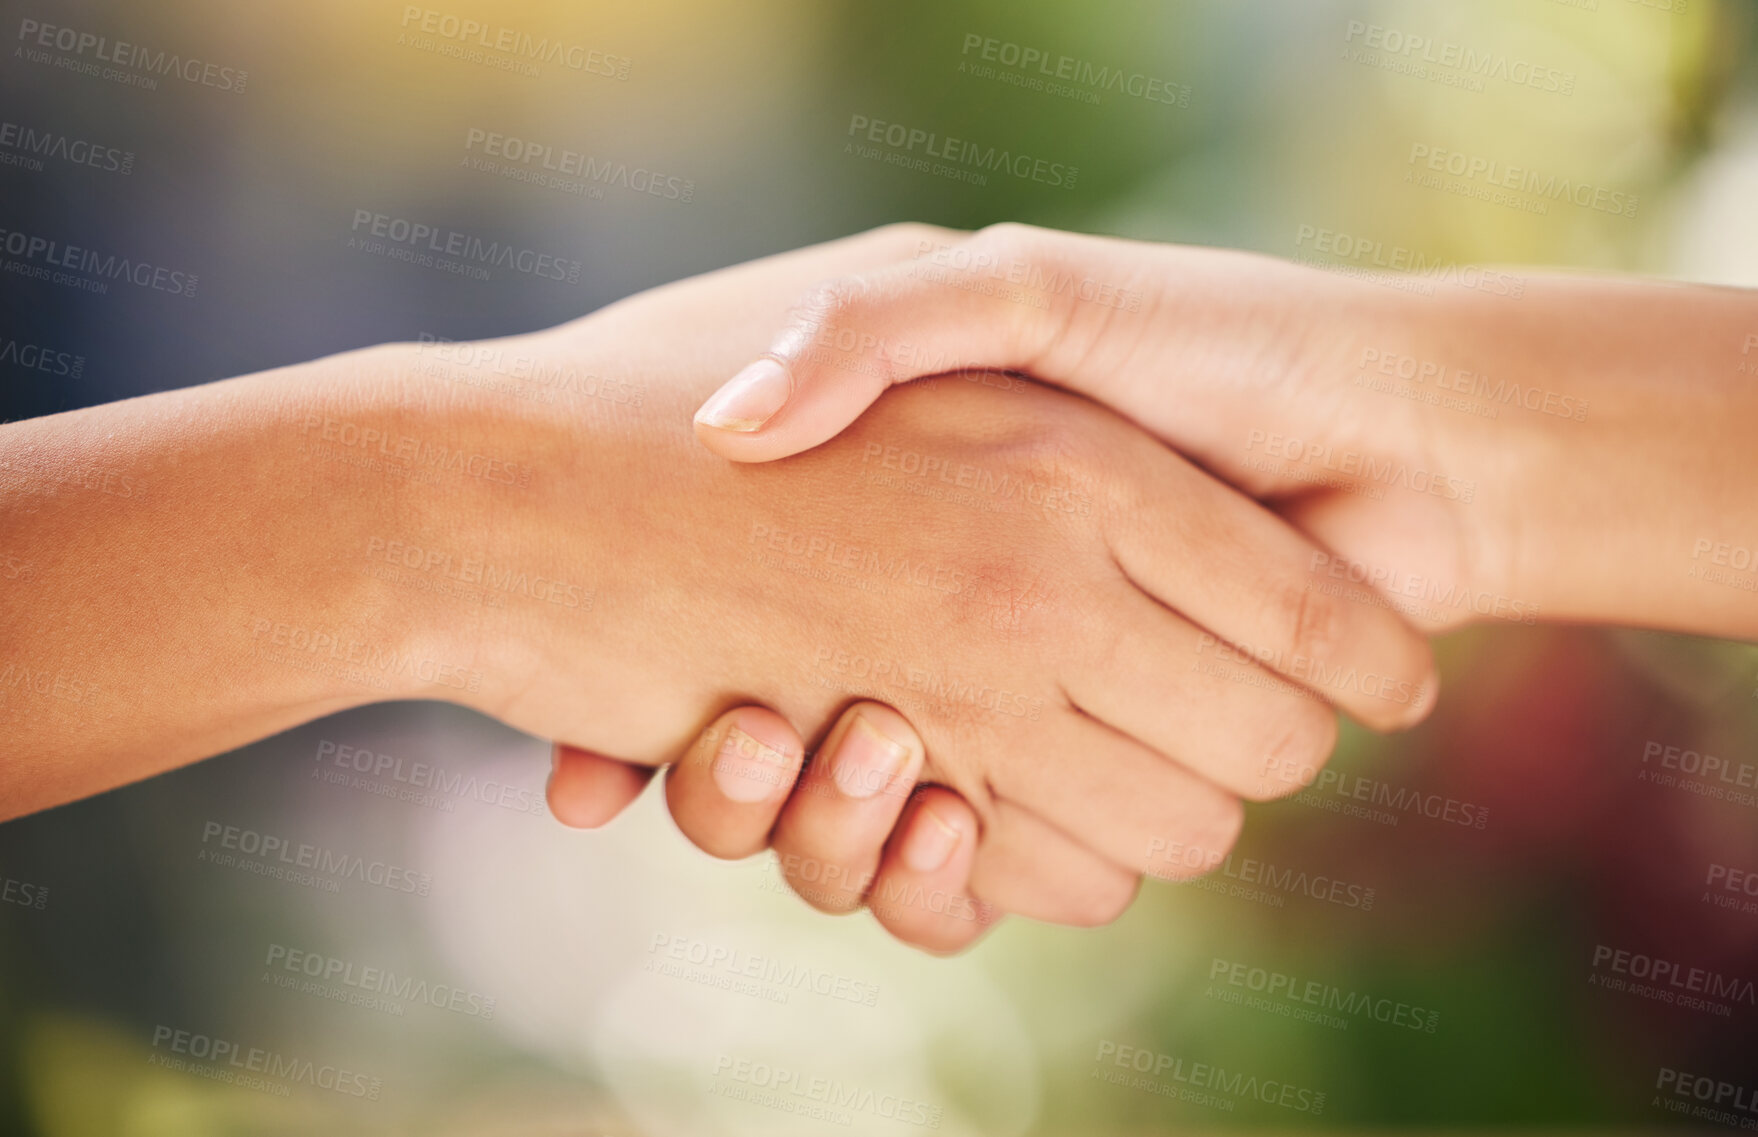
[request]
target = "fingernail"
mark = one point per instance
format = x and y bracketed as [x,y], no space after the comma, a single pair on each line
[866,760]
[749,398]
[747,770]
[930,842]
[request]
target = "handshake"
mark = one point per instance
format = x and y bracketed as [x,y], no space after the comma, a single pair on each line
[1020,647]
[1004,568]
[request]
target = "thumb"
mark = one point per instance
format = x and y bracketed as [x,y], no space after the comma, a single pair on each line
[852,339]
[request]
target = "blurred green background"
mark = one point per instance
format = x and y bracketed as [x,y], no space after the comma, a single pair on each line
[551,982]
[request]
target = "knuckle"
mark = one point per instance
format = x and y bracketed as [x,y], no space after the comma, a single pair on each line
[1198,847]
[1059,449]
[1014,235]
[907,237]
[1297,748]
[832,301]
[1011,595]
[829,325]
[1311,621]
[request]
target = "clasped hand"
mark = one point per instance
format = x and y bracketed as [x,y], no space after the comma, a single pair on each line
[1034,652]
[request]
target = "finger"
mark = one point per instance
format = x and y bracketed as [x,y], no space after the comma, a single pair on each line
[1248,577]
[852,338]
[1122,797]
[1157,678]
[1029,867]
[920,894]
[728,788]
[587,789]
[833,829]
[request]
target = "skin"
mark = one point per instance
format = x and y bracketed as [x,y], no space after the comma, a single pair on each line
[1611,487]
[1594,506]
[213,565]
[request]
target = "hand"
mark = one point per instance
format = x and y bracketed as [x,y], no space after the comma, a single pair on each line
[1460,444]
[855,831]
[1212,553]
[396,523]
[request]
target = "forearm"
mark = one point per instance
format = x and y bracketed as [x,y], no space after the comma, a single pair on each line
[525,526]
[1622,471]
[185,574]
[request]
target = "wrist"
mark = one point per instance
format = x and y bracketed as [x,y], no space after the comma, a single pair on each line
[366,472]
[517,558]
[1615,465]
